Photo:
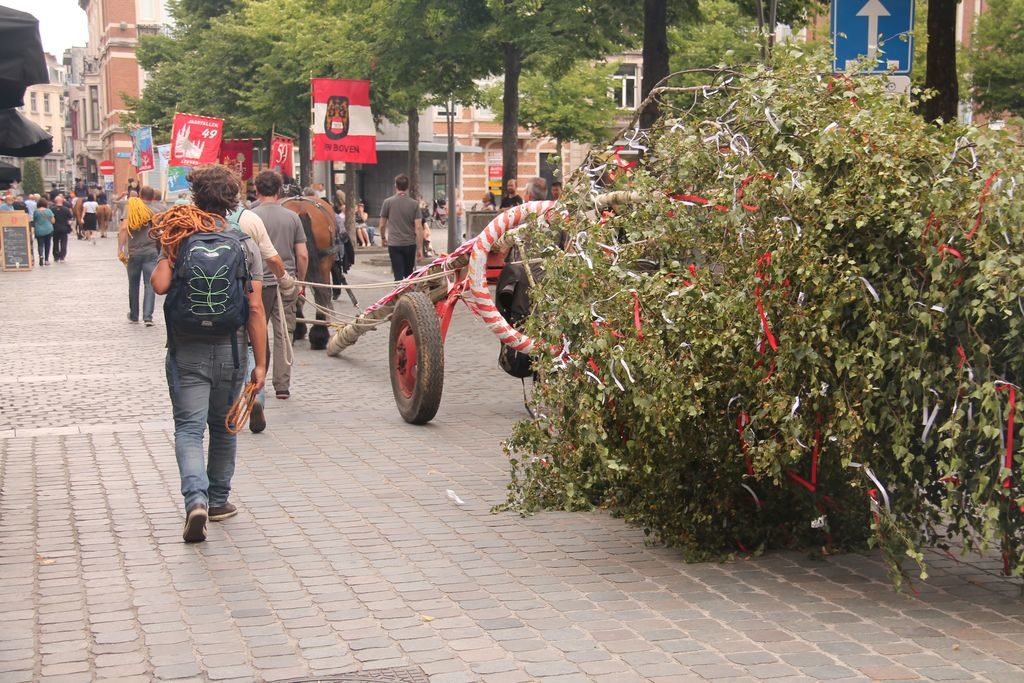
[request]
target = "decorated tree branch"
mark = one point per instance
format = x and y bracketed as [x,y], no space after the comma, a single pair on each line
[796,325]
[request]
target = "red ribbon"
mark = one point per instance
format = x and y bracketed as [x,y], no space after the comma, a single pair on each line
[622,162]
[849,84]
[963,357]
[814,458]
[743,185]
[946,248]
[1008,460]
[689,198]
[636,316]
[766,261]
[981,203]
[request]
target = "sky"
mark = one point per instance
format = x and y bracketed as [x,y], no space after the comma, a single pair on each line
[62,23]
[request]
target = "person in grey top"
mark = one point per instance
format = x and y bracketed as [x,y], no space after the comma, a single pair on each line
[400,216]
[139,254]
[287,236]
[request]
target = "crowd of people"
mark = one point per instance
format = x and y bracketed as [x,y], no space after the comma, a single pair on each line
[273,246]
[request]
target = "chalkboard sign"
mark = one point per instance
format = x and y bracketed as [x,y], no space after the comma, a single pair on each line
[15,240]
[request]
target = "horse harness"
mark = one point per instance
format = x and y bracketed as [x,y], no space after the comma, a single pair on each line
[321,253]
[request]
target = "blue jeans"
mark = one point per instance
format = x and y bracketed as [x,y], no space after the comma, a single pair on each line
[141,266]
[207,385]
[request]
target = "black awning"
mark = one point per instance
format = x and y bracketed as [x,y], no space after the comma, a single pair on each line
[9,173]
[19,137]
[22,62]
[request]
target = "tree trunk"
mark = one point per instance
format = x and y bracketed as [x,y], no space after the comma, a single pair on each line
[305,167]
[413,120]
[561,162]
[510,115]
[940,73]
[655,56]
[350,200]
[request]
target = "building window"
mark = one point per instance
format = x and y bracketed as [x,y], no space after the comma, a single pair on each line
[32,102]
[625,86]
[50,167]
[94,107]
[46,103]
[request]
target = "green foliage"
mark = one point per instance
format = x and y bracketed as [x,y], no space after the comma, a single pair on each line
[724,36]
[563,31]
[845,217]
[207,66]
[795,13]
[32,177]
[564,103]
[996,58]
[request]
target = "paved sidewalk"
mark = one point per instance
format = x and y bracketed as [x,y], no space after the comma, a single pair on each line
[348,554]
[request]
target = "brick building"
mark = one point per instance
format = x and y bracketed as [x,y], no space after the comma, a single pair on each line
[112,70]
[44,106]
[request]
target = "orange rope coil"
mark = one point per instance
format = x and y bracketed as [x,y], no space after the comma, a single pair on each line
[236,418]
[178,223]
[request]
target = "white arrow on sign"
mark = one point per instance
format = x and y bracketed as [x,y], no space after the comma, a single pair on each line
[872,10]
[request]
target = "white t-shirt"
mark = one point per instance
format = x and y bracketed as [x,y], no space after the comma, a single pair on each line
[90,207]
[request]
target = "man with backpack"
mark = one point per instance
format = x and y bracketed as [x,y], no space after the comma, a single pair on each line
[212,276]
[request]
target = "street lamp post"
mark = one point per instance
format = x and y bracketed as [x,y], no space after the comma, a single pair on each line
[453,228]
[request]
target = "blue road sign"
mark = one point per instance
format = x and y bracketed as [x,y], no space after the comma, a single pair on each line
[876,29]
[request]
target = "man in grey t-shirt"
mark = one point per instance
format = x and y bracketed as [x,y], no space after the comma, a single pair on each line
[286,234]
[400,216]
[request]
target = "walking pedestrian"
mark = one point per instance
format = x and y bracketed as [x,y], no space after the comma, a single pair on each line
[289,239]
[204,375]
[42,219]
[401,213]
[139,253]
[62,219]
[252,225]
[89,208]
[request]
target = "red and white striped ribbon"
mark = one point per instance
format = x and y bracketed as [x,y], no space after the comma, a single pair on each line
[478,297]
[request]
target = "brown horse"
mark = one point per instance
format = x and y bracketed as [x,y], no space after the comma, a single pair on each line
[317,218]
[78,210]
[103,215]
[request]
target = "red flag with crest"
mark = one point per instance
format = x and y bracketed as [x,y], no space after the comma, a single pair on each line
[343,128]
[237,155]
[281,149]
[195,140]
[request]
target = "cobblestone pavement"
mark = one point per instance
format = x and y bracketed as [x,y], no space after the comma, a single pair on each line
[348,555]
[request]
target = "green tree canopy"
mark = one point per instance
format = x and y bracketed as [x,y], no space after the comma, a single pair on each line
[559,32]
[725,36]
[31,177]
[570,104]
[997,57]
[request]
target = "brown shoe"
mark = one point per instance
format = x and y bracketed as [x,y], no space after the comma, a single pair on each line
[257,419]
[195,524]
[219,512]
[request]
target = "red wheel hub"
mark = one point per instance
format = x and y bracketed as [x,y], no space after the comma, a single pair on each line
[405,359]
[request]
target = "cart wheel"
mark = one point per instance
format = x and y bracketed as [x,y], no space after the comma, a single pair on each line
[416,358]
